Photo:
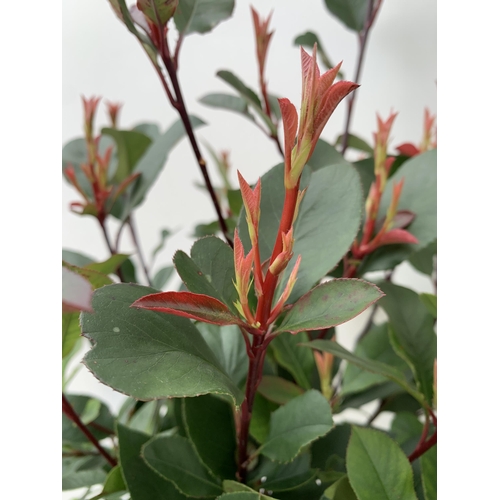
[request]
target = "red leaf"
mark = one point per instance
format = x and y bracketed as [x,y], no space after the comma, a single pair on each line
[396,236]
[408,149]
[190,305]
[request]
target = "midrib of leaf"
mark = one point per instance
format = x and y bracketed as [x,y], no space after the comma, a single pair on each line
[193,12]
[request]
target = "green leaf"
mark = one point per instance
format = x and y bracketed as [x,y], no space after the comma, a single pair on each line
[327,223]
[419,196]
[299,362]
[149,355]
[278,389]
[70,332]
[308,39]
[114,483]
[78,472]
[142,482]
[229,102]
[381,391]
[201,16]
[406,430]
[131,145]
[295,425]
[95,278]
[328,452]
[210,270]
[377,468]
[91,411]
[153,160]
[352,13]
[248,95]
[387,371]
[244,495]
[143,418]
[325,155]
[355,142]
[413,335]
[340,490]
[228,346]
[175,459]
[423,260]
[109,266]
[209,423]
[365,169]
[428,463]
[375,346]
[152,130]
[261,418]
[430,302]
[164,234]
[76,258]
[162,276]
[330,304]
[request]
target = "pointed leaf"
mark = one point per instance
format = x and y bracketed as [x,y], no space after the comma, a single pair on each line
[108,266]
[355,142]
[428,462]
[189,305]
[76,258]
[229,102]
[430,301]
[377,467]
[423,260]
[70,332]
[175,459]
[95,278]
[387,371]
[146,354]
[278,389]
[330,304]
[201,16]
[209,423]
[296,424]
[340,490]
[308,39]
[352,13]
[142,482]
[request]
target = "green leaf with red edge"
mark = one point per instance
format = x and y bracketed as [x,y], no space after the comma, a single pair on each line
[189,305]
[278,389]
[330,304]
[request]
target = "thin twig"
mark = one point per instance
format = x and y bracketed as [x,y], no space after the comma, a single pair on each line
[112,250]
[363,39]
[74,417]
[135,239]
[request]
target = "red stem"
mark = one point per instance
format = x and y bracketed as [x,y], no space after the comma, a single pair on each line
[427,445]
[73,416]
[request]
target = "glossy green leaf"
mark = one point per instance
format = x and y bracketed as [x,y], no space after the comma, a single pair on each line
[387,371]
[162,277]
[330,304]
[377,468]
[70,332]
[175,459]
[355,142]
[298,361]
[413,333]
[261,418]
[430,302]
[189,305]
[278,389]
[201,16]
[375,346]
[295,425]
[209,422]
[209,270]
[142,482]
[227,343]
[428,463]
[327,223]
[423,260]
[352,13]
[340,490]
[308,39]
[131,145]
[248,95]
[168,358]
[153,160]
[419,195]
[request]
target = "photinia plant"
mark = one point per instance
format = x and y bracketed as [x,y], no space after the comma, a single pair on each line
[235,381]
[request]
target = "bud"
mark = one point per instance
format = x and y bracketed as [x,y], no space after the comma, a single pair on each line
[164,8]
[113,110]
[280,262]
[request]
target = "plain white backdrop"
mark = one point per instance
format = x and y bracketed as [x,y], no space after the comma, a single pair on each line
[101,58]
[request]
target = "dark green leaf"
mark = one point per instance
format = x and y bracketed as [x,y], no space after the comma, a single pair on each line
[244,495]
[296,424]
[131,146]
[340,490]
[209,423]
[166,358]
[330,304]
[210,270]
[235,201]
[175,459]
[328,452]
[162,276]
[381,391]
[248,95]
[128,272]
[228,345]
[261,418]
[355,142]
[400,402]
[376,346]
[108,266]
[78,472]
[201,16]
[365,169]
[114,483]
[299,362]
[428,463]
[142,482]
[406,430]
[210,229]
[430,302]
[377,468]
[327,223]
[387,371]
[278,389]
[308,39]
[412,333]
[423,260]
[275,106]
[352,13]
